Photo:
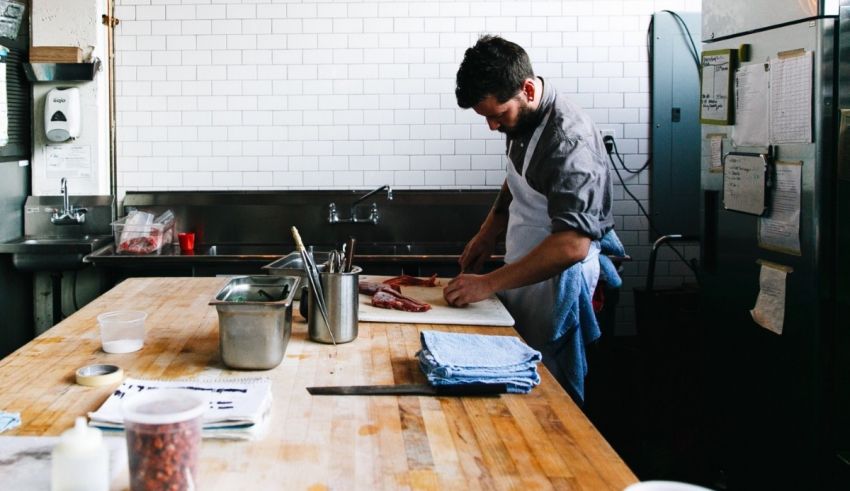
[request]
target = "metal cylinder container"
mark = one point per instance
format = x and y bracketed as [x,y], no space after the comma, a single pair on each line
[342,301]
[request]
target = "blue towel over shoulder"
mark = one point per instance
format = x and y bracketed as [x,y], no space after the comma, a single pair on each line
[458,358]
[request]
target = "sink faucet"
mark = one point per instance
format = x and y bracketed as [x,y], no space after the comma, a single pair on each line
[69,214]
[333,216]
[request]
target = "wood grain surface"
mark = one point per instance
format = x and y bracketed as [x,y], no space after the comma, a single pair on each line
[537,441]
[489,312]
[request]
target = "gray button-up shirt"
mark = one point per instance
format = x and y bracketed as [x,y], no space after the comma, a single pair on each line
[569,166]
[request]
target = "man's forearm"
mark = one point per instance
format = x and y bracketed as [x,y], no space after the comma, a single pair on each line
[496,222]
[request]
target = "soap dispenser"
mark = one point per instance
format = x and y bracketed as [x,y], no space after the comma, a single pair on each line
[80,460]
[62,114]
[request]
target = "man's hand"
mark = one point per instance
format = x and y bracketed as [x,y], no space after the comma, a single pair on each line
[477,252]
[466,289]
[557,252]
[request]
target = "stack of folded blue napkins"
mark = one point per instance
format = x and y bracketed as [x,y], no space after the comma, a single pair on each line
[453,358]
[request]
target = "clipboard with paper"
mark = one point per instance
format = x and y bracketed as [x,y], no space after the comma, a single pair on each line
[745,182]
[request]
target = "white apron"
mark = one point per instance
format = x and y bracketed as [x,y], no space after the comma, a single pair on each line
[529,224]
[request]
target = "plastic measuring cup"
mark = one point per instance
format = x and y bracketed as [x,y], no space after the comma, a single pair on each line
[163,429]
[122,331]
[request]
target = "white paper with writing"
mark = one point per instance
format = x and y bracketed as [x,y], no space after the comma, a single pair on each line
[791,99]
[714,98]
[744,183]
[751,106]
[715,142]
[68,160]
[780,228]
[769,311]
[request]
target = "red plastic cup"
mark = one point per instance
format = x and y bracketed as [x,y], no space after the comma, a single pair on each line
[187,241]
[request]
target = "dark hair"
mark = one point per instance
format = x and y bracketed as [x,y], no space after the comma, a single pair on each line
[494,66]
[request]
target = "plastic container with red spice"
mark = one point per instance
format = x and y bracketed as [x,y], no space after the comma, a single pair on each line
[163,429]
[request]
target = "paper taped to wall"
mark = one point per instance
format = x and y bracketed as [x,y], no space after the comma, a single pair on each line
[769,311]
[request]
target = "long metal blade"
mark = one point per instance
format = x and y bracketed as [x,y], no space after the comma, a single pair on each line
[316,286]
[476,389]
[314,280]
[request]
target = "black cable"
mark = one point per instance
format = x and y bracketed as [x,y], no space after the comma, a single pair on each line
[694,54]
[649,220]
[608,139]
[693,50]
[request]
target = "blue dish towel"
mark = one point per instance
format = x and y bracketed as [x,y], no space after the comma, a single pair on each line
[575,324]
[456,358]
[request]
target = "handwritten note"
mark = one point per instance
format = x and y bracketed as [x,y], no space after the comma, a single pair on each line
[714,98]
[780,229]
[715,143]
[751,106]
[769,311]
[791,99]
[744,183]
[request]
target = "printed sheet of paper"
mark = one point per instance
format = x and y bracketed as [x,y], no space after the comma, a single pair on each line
[779,230]
[715,144]
[11,15]
[751,106]
[791,99]
[4,99]
[744,183]
[68,160]
[714,99]
[769,311]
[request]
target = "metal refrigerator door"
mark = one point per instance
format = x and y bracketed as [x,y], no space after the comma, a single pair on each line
[768,389]
[721,18]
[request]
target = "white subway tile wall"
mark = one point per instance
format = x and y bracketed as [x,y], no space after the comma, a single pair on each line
[276,94]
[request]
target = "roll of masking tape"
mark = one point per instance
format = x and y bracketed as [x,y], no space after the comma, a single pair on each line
[98,375]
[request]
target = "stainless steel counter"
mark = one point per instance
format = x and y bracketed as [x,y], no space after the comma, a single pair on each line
[382,252]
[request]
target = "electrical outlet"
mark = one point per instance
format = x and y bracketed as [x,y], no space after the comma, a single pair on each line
[611,133]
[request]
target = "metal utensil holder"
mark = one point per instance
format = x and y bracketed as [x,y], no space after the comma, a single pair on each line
[342,301]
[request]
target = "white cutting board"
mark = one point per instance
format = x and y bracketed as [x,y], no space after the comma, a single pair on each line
[488,312]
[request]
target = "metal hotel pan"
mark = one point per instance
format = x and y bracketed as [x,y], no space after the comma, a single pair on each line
[292,265]
[255,320]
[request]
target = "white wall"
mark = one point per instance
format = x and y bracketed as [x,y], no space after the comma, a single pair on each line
[268,94]
[72,23]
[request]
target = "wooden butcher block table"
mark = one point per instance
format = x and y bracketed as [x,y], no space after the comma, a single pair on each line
[539,441]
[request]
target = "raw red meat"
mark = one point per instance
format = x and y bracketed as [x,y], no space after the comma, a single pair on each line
[387,297]
[369,288]
[387,300]
[408,280]
[139,245]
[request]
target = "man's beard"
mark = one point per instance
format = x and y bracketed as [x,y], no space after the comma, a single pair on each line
[526,121]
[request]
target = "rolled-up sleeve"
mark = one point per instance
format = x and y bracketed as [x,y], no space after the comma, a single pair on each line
[577,185]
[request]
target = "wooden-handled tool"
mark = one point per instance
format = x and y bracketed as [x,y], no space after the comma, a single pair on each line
[314,279]
[349,255]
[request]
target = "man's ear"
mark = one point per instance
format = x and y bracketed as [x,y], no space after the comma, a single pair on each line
[529,89]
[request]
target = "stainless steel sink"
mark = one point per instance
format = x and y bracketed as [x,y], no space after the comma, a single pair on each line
[30,253]
[54,245]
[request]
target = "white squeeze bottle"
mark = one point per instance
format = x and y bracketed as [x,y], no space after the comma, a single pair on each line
[80,460]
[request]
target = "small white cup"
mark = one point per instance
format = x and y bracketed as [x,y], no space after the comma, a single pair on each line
[122,331]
